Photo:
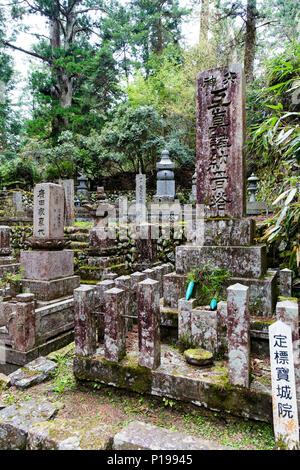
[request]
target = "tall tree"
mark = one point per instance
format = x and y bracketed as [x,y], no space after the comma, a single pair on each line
[157,25]
[67,47]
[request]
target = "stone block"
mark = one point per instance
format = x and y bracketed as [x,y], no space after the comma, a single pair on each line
[204,329]
[51,290]
[33,373]
[185,308]
[174,288]
[16,420]
[84,320]
[240,261]
[228,232]
[69,434]
[47,265]
[143,436]
[262,292]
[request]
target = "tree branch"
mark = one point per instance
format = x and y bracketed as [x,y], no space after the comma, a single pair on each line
[33,54]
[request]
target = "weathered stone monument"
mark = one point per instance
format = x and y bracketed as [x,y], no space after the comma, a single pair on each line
[140,198]
[48,266]
[8,263]
[228,236]
[68,186]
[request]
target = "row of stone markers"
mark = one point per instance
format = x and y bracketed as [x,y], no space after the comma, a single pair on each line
[110,307]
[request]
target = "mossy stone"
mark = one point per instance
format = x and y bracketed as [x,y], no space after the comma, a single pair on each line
[198,357]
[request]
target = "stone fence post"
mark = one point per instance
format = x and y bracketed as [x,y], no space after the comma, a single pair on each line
[238,335]
[149,323]
[114,324]
[21,323]
[102,287]
[85,320]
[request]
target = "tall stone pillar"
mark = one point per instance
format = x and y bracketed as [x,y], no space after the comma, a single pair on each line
[149,323]
[114,324]
[84,321]
[238,335]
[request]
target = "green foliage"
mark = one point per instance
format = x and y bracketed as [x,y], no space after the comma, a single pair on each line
[277,141]
[208,283]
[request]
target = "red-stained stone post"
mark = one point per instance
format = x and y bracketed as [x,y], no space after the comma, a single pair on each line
[100,288]
[149,323]
[124,282]
[185,308]
[21,323]
[238,335]
[220,141]
[135,279]
[84,321]
[159,276]
[114,324]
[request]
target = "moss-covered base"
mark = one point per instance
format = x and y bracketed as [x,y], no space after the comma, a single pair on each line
[206,386]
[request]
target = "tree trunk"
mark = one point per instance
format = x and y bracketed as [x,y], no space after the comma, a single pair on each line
[250,40]
[204,20]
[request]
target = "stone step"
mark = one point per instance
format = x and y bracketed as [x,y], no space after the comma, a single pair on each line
[33,373]
[143,436]
[16,420]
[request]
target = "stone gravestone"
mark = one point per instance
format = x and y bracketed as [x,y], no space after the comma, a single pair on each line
[140,198]
[48,214]
[226,236]
[68,186]
[220,142]
[48,267]
[285,414]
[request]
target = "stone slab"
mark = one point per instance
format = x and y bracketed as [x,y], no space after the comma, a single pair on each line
[262,292]
[47,265]
[240,261]
[176,379]
[48,211]
[143,436]
[51,290]
[228,232]
[71,434]
[15,420]
[16,359]
[33,373]
[174,288]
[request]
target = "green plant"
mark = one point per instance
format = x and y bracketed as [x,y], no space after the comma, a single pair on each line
[168,403]
[209,282]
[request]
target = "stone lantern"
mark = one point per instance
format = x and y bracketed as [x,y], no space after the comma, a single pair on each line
[252,188]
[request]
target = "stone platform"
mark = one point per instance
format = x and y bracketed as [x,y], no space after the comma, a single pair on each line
[240,261]
[51,290]
[53,329]
[262,291]
[174,378]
